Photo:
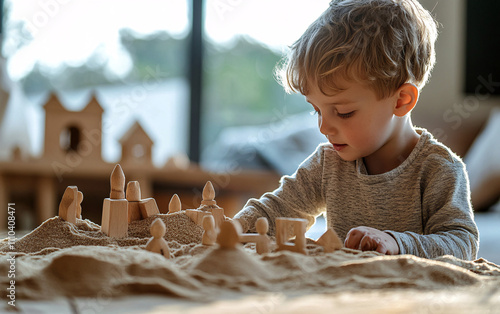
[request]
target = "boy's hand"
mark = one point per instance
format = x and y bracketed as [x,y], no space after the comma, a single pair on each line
[371,239]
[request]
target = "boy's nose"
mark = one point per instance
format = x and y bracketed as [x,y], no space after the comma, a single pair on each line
[326,128]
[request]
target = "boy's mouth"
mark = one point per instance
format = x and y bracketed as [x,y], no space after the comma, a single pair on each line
[339,147]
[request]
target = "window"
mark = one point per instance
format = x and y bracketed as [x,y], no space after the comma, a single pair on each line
[70,139]
[133,54]
[244,42]
[136,55]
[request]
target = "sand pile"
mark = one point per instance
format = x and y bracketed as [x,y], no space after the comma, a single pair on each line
[180,228]
[79,260]
[232,269]
[87,271]
[55,233]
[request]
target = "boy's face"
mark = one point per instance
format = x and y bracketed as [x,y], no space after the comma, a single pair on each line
[354,121]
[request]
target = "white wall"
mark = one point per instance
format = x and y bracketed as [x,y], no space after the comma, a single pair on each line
[443,108]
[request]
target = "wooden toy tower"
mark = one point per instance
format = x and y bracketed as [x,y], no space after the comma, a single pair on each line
[72,132]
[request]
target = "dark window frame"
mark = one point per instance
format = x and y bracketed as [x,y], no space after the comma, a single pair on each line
[195,67]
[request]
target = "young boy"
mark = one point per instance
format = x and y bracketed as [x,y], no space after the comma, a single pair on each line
[384,185]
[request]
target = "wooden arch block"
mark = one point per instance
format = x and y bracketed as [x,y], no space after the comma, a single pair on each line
[283,226]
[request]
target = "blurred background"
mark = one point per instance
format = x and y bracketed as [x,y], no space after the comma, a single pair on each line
[185,93]
[74,46]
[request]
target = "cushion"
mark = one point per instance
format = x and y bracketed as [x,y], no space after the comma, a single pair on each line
[483,164]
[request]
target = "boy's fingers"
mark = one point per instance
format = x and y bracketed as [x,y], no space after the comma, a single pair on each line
[368,243]
[353,239]
[381,248]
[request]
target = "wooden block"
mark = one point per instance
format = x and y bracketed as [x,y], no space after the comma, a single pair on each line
[209,233]
[175,204]
[148,207]
[68,206]
[218,214]
[282,234]
[133,191]
[228,237]
[115,218]
[79,210]
[248,237]
[261,239]
[330,241]
[157,242]
[300,235]
[196,215]
[134,211]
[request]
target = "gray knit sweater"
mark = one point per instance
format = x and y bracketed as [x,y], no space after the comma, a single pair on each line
[424,203]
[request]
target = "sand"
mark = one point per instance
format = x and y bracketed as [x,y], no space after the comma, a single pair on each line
[59,259]
[55,233]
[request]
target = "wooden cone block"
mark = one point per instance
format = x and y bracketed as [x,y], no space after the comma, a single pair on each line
[330,241]
[175,204]
[117,183]
[208,195]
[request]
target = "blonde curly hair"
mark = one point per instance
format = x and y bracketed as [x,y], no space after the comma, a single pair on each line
[384,43]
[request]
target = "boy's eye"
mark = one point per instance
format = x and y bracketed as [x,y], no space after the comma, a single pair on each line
[345,115]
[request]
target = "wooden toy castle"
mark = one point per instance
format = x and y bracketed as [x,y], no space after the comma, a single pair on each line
[72,155]
[125,205]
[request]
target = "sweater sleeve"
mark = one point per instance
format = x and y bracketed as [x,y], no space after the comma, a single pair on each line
[298,196]
[447,217]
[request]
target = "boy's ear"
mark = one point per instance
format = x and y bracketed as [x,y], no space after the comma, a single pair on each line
[407,99]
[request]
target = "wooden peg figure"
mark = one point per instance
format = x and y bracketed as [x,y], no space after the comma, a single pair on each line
[174,205]
[263,242]
[158,244]
[262,225]
[209,233]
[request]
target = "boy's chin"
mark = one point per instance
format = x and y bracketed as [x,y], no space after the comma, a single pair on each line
[346,157]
